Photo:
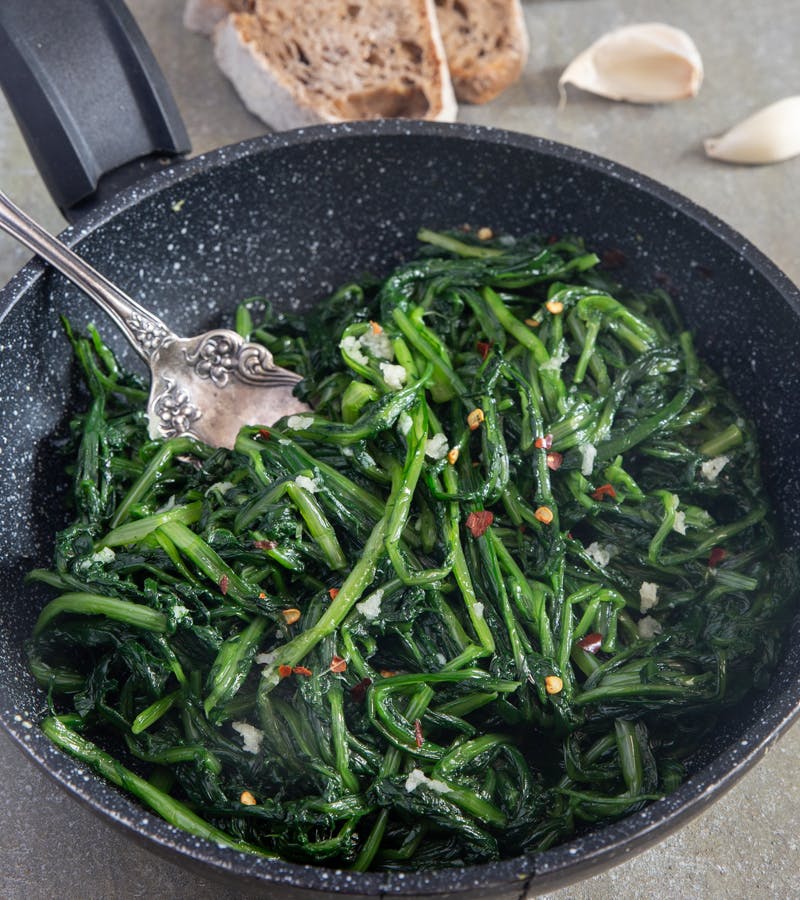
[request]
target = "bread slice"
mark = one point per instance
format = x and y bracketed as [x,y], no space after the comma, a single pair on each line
[486,44]
[485,41]
[295,64]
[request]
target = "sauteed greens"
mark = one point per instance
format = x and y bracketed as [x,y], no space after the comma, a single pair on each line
[499,585]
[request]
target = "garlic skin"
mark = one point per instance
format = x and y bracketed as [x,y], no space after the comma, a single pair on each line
[647,63]
[768,136]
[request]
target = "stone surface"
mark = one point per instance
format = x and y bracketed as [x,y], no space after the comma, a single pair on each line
[747,844]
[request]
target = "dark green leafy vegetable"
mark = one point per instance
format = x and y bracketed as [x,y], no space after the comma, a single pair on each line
[501,583]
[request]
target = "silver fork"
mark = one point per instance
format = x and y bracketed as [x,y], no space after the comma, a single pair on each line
[207,386]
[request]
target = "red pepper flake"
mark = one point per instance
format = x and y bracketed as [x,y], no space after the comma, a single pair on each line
[544,443]
[479,521]
[613,259]
[265,545]
[302,670]
[483,348]
[223,585]
[264,434]
[666,282]
[376,328]
[284,671]
[522,529]
[553,239]
[605,490]
[591,642]
[388,673]
[359,691]
[704,272]
[418,736]
[332,592]
[338,664]
[716,556]
[262,596]
[554,460]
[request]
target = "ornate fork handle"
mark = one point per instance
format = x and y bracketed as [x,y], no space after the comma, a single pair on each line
[223,356]
[145,331]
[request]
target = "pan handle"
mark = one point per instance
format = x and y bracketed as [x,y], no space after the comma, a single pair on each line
[88,95]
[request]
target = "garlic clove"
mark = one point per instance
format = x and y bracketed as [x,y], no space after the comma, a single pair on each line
[646,63]
[770,135]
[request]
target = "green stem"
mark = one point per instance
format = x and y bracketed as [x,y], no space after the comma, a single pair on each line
[171,810]
[80,603]
[155,468]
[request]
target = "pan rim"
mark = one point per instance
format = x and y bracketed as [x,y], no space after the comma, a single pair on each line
[560,865]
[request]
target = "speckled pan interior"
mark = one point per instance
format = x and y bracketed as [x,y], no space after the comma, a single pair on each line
[289,217]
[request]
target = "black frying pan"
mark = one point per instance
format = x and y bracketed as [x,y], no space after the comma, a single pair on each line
[289,216]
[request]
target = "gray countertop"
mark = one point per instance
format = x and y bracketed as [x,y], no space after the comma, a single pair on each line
[748,844]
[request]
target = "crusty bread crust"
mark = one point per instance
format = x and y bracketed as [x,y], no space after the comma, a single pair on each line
[262,90]
[486,42]
[296,64]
